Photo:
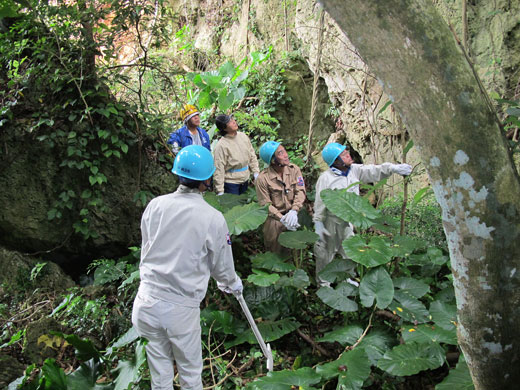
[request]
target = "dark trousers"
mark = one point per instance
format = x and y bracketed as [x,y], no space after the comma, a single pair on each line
[236,189]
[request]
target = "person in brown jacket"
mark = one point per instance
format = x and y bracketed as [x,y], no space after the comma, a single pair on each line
[280,185]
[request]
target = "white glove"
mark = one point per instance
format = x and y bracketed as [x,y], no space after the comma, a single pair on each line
[220,193]
[255,175]
[292,218]
[175,148]
[402,169]
[320,230]
[236,288]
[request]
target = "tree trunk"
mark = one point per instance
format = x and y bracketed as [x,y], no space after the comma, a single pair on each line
[414,55]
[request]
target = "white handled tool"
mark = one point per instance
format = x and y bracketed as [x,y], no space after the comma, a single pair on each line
[266,349]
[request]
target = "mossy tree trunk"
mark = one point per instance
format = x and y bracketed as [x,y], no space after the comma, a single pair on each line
[415,56]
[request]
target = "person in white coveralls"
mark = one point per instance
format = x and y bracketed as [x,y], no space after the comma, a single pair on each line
[342,173]
[184,242]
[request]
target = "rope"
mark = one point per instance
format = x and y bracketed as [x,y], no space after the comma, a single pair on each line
[315,86]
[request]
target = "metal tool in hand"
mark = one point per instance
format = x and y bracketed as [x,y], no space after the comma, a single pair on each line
[266,349]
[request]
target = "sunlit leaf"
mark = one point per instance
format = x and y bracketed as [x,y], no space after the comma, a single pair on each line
[350,207]
[244,218]
[376,285]
[372,254]
[261,278]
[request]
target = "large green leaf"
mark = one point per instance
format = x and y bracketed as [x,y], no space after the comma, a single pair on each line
[444,315]
[299,279]
[413,287]
[337,298]
[8,9]
[285,380]
[458,378]
[128,370]
[85,349]
[127,338]
[298,239]
[270,331]
[409,308]
[376,343]
[54,376]
[219,321]
[376,252]
[86,376]
[214,81]
[225,99]
[376,285]
[261,278]
[272,262]
[352,368]
[246,217]
[412,358]
[337,270]
[403,246]
[350,207]
[426,333]
[227,70]
[345,335]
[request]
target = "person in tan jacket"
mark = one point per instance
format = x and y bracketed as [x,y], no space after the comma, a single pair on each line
[235,158]
[281,185]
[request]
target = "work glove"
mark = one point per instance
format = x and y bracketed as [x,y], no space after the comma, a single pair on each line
[292,219]
[402,169]
[175,148]
[255,175]
[236,288]
[320,230]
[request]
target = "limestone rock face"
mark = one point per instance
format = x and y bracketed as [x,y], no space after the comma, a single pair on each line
[16,268]
[31,179]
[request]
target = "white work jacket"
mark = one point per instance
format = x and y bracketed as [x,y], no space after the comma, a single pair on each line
[332,179]
[232,155]
[184,242]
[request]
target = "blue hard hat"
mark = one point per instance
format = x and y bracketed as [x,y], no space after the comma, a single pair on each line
[194,162]
[267,150]
[331,152]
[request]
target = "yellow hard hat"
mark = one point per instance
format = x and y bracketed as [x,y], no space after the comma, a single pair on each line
[187,112]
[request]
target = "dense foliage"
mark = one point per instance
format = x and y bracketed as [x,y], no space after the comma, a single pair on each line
[397,330]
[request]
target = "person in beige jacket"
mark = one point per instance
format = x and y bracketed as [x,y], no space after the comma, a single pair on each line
[235,158]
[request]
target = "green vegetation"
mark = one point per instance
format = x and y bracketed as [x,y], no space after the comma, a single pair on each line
[62,74]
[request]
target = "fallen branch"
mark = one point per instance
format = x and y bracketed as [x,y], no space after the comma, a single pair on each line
[308,339]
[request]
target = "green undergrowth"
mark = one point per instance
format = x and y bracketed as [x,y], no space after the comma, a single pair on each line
[395,331]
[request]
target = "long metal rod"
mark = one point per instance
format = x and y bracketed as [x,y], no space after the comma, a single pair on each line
[266,349]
